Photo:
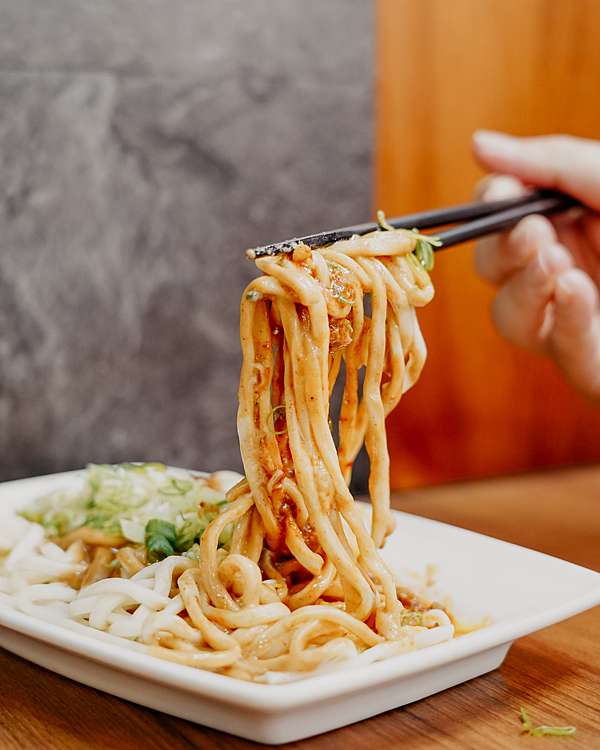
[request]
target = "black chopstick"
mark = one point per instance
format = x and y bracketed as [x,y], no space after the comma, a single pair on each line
[497,222]
[488,217]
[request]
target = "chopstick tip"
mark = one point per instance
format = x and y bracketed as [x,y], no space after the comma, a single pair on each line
[268,251]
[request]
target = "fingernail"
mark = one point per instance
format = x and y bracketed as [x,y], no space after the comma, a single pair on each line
[492,143]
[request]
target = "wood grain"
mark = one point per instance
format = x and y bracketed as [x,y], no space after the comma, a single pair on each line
[445,69]
[554,673]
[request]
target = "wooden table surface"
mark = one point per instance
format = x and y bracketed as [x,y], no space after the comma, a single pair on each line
[555,673]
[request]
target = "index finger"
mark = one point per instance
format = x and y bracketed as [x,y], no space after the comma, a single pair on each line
[498,258]
[557,161]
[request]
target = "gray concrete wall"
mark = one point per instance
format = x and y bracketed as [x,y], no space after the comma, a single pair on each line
[143,145]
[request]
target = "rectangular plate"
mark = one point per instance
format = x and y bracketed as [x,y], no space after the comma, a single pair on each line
[521,590]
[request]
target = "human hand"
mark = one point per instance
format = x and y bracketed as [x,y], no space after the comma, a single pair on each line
[547,271]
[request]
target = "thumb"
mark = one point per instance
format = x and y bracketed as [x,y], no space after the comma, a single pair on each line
[554,161]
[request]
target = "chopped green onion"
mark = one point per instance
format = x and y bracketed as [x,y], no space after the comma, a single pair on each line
[338,288]
[132,530]
[156,526]
[425,243]
[157,548]
[382,222]
[193,553]
[430,238]
[176,487]
[160,538]
[120,499]
[190,532]
[143,467]
[337,292]
[542,730]
[411,618]
[424,254]
[103,522]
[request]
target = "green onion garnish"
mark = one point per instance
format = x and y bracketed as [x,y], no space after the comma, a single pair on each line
[160,539]
[411,618]
[424,253]
[425,243]
[383,223]
[542,730]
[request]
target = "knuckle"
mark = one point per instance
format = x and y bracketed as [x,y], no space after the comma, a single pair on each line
[530,233]
[485,259]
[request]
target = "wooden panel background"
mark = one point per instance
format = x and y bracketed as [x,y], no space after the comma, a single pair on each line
[445,69]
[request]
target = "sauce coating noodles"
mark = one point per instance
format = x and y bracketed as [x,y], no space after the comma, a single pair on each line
[299,584]
[303,583]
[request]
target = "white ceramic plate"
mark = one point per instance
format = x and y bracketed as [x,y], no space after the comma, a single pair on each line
[521,590]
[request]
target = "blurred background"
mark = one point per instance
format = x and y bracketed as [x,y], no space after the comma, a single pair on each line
[144,145]
[445,69]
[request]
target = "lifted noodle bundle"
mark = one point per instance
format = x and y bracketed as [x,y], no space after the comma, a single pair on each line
[303,583]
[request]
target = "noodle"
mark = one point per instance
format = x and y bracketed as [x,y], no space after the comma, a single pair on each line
[302,585]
